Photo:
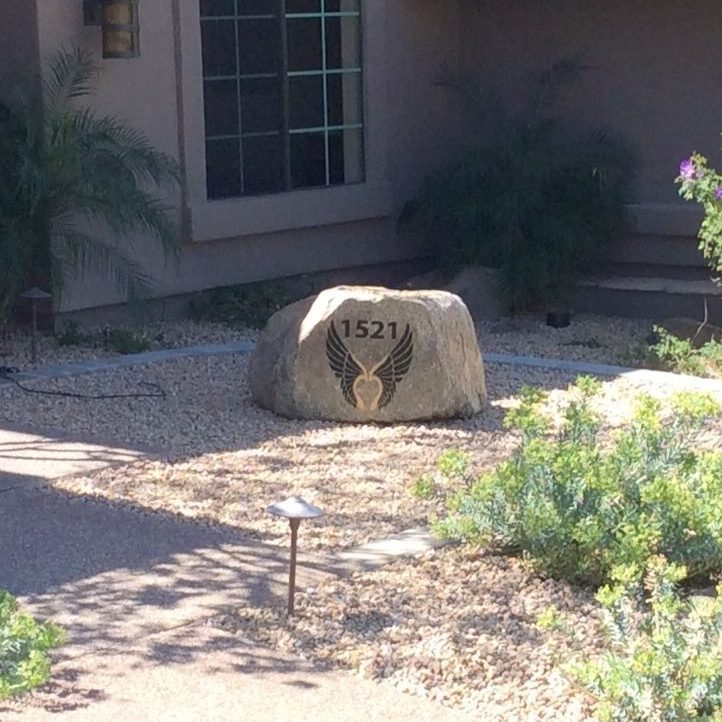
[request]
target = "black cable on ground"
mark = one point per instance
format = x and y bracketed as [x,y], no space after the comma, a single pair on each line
[6,373]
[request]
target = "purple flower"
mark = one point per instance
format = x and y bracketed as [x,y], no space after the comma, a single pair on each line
[718,193]
[687,170]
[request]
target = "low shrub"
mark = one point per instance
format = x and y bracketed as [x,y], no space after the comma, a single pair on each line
[578,507]
[700,183]
[532,197]
[71,334]
[125,341]
[664,662]
[452,465]
[24,646]
[680,355]
[247,306]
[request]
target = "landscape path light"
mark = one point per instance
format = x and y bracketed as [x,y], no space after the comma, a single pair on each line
[34,295]
[295,509]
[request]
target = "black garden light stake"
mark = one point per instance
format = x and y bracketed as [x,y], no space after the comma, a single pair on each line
[34,295]
[294,509]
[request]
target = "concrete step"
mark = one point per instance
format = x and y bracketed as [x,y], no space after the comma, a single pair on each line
[656,250]
[655,298]
[658,270]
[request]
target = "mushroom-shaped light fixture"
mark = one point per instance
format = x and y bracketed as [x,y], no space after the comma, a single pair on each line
[294,509]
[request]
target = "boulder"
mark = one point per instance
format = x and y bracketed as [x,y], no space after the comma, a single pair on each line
[477,286]
[365,354]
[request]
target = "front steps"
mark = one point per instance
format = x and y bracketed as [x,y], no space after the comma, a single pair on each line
[653,277]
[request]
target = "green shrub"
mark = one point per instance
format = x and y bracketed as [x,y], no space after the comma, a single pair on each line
[125,341]
[452,465]
[665,658]
[247,306]
[24,646]
[72,334]
[578,508]
[681,356]
[532,197]
[702,184]
[424,488]
[73,183]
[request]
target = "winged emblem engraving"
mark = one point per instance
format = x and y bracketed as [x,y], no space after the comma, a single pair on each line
[369,390]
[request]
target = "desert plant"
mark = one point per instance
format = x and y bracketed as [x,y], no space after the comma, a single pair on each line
[577,508]
[664,663]
[672,353]
[73,185]
[702,184]
[531,197]
[249,306]
[125,340]
[71,334]
[24,646]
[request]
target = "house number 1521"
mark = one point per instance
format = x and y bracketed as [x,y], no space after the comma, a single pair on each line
[369,329]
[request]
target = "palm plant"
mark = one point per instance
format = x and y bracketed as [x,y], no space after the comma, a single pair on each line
[76,187]
[530,197]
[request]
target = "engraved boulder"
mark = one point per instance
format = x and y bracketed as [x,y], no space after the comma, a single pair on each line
[367,354]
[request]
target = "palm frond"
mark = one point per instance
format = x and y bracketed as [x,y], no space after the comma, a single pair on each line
[66,167]
[69,76]
[76,254]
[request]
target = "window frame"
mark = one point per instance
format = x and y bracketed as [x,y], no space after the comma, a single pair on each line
[212,219]
[284,130]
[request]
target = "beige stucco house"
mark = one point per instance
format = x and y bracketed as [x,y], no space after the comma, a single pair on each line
[301,137]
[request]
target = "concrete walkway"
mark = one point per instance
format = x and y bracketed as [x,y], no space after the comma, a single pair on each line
[135,591]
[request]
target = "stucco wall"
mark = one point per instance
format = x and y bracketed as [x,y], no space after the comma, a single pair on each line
[18,41]
[653,76]
[232,242]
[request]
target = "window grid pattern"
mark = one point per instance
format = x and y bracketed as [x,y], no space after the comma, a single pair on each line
[284,76]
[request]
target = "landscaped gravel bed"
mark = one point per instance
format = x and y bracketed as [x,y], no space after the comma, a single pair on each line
[15,348]
[224,460]
[454,625]
[597,339]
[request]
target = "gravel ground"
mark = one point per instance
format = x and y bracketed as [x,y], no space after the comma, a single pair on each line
[224,459]
[597,339]
[15,347]
[454,625]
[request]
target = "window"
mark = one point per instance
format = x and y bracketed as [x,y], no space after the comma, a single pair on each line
[282,86]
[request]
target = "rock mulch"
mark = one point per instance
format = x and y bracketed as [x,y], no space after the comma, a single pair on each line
[595,339]
[455,625]
[15,347]
[224,459]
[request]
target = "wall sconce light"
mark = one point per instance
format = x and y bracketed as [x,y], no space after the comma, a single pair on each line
[118,20]
[121,29]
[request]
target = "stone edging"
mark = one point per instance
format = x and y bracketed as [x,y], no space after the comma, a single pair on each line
[91,366]
[577,367]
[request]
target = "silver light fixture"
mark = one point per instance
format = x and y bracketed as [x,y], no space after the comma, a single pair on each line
[295,509]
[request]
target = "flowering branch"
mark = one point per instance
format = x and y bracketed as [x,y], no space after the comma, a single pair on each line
[702,184]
